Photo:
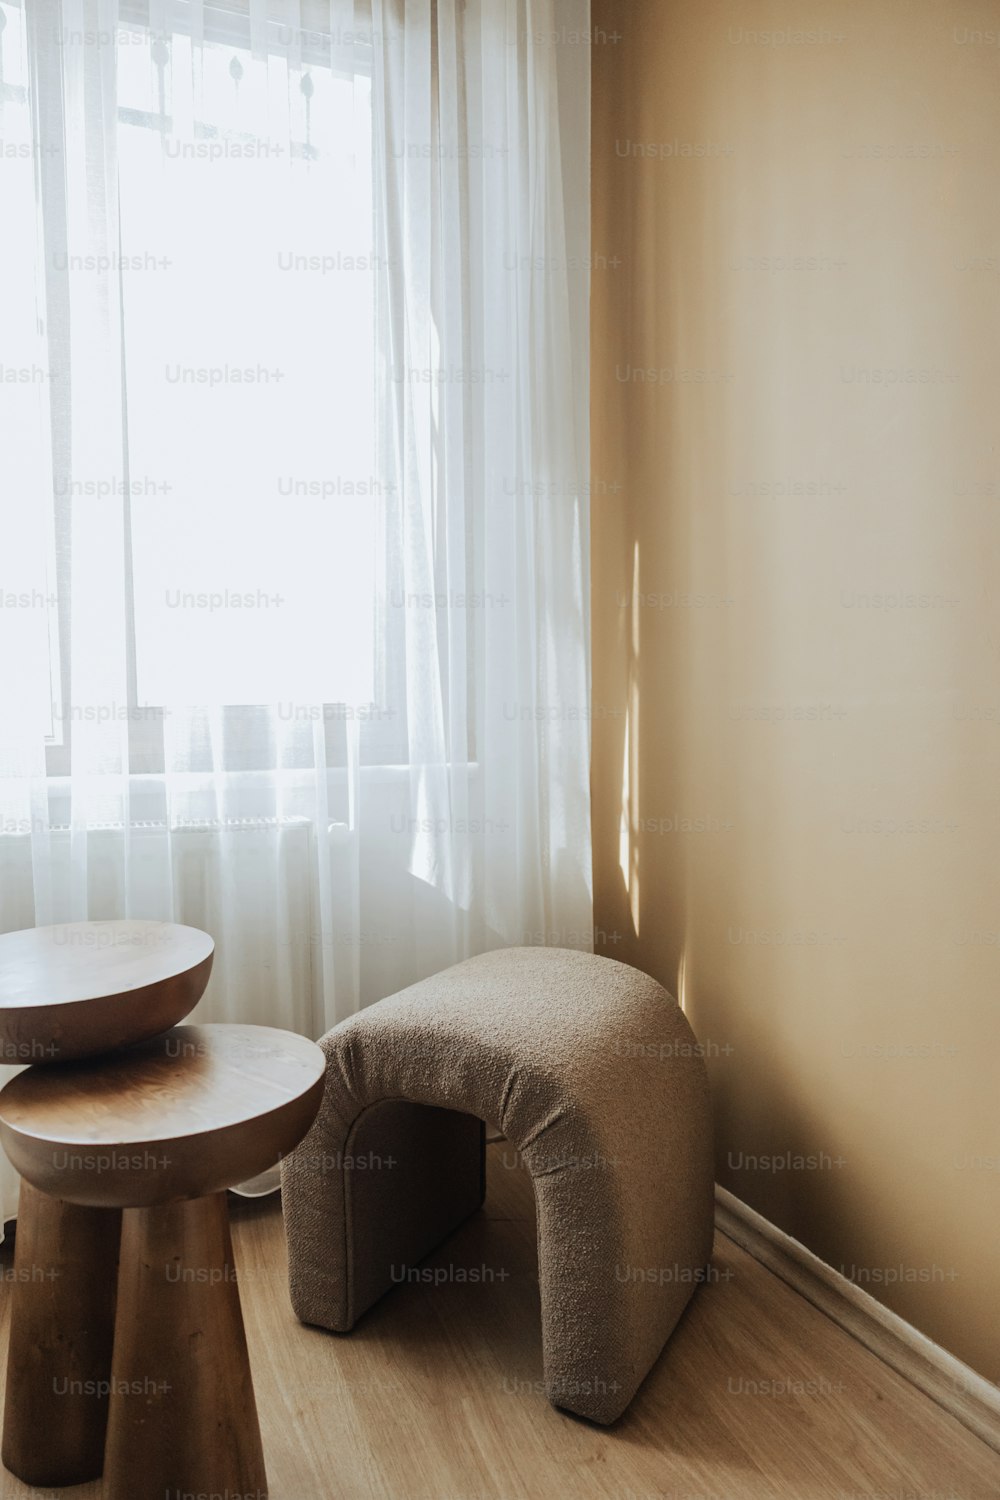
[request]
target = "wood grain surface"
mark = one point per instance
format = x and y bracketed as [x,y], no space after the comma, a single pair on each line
[61,1332]
[182,1419]
[436,1394]
[192,1111]
[83,988]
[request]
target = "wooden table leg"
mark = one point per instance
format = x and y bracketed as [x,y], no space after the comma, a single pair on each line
[183,1418]
[61,1331]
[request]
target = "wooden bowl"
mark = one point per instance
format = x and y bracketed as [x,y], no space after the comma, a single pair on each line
[81,988]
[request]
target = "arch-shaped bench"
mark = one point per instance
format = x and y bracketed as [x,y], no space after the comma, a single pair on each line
[591,1070]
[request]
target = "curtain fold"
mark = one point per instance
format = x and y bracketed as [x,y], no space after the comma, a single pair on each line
[304,319]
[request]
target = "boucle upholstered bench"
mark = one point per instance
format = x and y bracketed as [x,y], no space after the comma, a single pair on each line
[591,1070]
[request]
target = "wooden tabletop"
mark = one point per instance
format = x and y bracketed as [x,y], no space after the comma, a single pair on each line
[79,988]
[75,961]
[191,1111]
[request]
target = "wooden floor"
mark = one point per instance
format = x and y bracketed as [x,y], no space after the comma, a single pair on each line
[435,1396]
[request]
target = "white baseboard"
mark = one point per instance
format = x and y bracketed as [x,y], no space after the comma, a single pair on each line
[975,1402]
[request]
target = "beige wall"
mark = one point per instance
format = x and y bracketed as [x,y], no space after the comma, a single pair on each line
[866,821]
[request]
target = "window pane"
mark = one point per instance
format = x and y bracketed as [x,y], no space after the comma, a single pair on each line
[249,353]
[28,613]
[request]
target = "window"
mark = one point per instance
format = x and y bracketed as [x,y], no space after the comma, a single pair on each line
[29,659]
[247,294]
[246,278]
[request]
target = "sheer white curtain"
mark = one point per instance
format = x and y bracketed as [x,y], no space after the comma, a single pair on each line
[294,629]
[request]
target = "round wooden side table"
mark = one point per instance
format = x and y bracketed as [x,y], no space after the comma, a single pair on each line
[155,1134]
[67,991]
[82,988]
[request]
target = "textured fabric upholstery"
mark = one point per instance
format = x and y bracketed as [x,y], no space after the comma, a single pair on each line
[591,1070]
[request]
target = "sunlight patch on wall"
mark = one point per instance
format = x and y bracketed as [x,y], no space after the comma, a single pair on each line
[628,846]
[624,831]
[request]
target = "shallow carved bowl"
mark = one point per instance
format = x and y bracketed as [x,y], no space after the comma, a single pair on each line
[82,988]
